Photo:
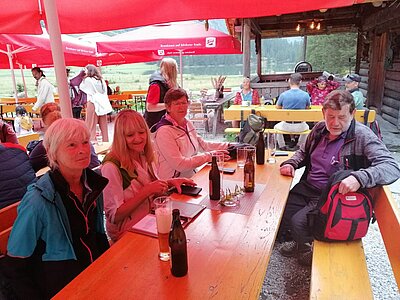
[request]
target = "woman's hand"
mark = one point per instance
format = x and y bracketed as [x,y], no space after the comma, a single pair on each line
[158,187]
[177,182]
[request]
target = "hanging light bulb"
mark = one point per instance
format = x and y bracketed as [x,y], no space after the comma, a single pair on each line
[318,26]
[377,3]
[298,27]
[312,25]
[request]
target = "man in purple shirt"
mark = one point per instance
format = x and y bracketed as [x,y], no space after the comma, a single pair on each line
[337,143]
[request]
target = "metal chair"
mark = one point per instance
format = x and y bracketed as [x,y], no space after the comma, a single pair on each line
[199,117]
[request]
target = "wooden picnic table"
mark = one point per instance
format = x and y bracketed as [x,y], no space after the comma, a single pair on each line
[238,112]
[102,149]
[217,107]
[228,253]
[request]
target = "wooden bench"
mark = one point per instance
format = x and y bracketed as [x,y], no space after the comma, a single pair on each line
[237,112]
[237,131]
[24,140]
[8,215]
[339,270]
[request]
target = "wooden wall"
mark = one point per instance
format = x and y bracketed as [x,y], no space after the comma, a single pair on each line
[380,68]
[391,94]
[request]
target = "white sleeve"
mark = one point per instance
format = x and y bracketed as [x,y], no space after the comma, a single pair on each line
[45,89]
[86,86]
[113,192]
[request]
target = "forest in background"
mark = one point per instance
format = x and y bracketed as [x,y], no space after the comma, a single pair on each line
[334,53]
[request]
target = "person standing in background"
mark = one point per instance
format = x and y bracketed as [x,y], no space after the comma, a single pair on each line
[352,82]
[45,90]
[91,84]
[109,89]
[160,82]
[80,98]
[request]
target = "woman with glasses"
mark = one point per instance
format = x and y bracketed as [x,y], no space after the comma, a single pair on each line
[179,148]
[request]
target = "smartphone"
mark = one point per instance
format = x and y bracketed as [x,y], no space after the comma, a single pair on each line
[228,170]
[190,190]
[281,153]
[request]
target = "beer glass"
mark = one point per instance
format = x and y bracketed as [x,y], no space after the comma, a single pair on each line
[163,211]
[241,157]
[271,144]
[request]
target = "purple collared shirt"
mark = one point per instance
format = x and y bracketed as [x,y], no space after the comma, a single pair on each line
[325,160]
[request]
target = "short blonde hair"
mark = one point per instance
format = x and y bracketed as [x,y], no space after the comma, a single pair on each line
[127,120]
[169,70]
[60,131]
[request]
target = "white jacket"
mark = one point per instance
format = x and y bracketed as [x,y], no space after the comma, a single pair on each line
[45,93]
[179,152]
[91,86]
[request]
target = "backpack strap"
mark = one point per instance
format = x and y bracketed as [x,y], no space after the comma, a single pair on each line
[366,113]
[126,178]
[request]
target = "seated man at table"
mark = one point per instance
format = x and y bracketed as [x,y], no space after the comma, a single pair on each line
[294,98]
[337,143]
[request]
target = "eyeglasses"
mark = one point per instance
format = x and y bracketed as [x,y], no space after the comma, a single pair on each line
[178,103]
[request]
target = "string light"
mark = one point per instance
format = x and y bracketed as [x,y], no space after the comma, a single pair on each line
[314,25]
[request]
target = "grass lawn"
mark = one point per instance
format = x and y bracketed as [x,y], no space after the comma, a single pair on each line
[128,77]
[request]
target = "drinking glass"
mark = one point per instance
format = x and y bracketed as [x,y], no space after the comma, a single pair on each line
[252,150]
[163,211]
[241,157]
[271,144]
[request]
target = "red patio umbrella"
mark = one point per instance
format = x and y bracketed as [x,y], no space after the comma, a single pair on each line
[77,16]
[21,50]
[179,38]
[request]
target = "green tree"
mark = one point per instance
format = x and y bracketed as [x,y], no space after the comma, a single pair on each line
[332,52]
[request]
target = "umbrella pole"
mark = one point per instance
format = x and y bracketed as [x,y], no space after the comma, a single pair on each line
[9,54]
[180,67]
[57,52]
[23,80]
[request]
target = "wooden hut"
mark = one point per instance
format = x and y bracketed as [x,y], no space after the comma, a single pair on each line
[378,47]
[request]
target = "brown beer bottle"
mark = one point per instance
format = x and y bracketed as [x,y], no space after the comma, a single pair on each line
[214,180]
[260,149]
[249,171]
[178,247]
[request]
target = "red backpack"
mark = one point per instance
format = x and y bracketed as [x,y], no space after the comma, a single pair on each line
[341,217]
